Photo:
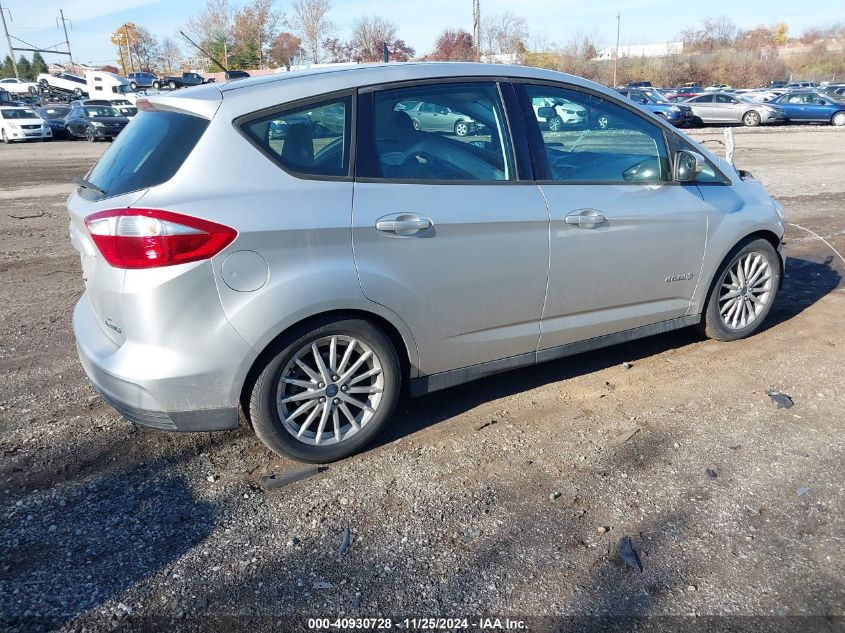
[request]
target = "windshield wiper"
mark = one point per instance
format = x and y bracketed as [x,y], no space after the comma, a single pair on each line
[79,181]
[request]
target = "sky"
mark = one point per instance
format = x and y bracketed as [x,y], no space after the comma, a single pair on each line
[550,21]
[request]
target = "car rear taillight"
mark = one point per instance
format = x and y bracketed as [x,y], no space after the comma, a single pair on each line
[151,238]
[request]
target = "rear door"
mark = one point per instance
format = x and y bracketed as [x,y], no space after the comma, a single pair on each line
[703,107]
[445,233]
[627,244]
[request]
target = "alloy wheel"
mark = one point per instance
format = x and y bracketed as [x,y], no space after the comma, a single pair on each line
[461,128]
[603,122]
[746,290]
[329,390]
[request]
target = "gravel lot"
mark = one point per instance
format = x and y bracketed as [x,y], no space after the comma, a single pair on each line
[506,497]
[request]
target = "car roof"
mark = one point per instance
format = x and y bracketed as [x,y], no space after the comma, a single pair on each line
[353,75]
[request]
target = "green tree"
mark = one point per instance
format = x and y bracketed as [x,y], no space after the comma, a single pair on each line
[25,69]
[8,68]
[38,64]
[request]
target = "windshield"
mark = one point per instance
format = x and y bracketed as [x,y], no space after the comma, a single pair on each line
[123,89]
[655,97]
[19,114]
[54,113]
[101,111]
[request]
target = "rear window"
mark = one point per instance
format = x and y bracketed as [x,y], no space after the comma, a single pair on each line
[147,153]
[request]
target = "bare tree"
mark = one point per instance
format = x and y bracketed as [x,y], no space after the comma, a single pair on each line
[503,34]
[145,49]
[213,27]
[368,36]
[169,56]
[309,18]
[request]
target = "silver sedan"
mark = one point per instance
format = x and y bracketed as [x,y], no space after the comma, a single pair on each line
[722,107]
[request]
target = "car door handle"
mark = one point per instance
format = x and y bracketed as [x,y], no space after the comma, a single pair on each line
[586,218]
[403,224]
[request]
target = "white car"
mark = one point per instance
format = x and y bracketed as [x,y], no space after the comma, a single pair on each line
[565,113]
[64,82]
[22,124]
[18,87]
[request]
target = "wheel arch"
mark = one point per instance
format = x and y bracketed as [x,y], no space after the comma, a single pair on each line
[405,350]
[770,236]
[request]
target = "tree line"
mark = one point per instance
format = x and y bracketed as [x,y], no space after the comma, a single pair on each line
[27,70]
[261,35]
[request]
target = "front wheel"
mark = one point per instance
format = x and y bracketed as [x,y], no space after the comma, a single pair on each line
[156,85]
[461,128]
[133,85]
[5,138]
[743,293]
[555,124]
[751,119]
[77,92]
[327,391]
[838,119]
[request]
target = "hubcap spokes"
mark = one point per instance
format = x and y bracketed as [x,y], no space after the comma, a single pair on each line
[745,292]
[329,390]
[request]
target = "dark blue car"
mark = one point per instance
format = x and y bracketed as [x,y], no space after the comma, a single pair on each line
[810,106]
[653,101]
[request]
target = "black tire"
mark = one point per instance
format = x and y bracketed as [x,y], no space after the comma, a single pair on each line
[555,124]
[133,85]
[5,138]
[838,119]
[33,90]
[461,128]
[77,92]
[171,85]
[712,324]
[263,411]
[91,135]
[156,85]
[43,83]
[416,125]
[751,118]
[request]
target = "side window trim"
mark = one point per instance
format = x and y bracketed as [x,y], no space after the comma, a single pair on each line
[535,136]
[241,122]
[366,156]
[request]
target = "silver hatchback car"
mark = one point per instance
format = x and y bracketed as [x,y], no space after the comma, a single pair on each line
[310,279]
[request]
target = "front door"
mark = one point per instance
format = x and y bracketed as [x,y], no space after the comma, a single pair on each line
[627,244]
[444,234]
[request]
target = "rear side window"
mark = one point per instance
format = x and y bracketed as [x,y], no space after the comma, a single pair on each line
[311,140]
[147,153]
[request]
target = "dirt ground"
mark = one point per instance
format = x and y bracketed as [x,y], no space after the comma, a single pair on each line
[506,497]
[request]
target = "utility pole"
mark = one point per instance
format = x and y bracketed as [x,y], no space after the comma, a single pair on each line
[128,49]
[616,50]
[476,28]
[64,26]
[9,40]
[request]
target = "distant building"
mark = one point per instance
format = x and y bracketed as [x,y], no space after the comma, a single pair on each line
[643,50]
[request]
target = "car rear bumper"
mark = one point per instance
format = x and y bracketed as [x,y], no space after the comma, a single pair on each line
[146,400]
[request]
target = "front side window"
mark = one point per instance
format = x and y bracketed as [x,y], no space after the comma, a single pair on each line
[444,132]
[312,140]
[602,141]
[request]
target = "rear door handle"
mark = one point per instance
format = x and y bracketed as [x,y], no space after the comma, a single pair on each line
[403,224]
[586,218]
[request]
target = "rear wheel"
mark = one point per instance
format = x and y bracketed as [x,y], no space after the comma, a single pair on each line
[5,138]
[77,92]
[171,85]
[743,293]
[838,119]
[133,85]
[751,119]
[327,391]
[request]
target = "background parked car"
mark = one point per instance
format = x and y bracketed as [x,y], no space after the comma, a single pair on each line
[431,117]
[655,102]
[22,124]
[558,113]
[141,80]
[18,87]
[722,107]
[179,81]
[95,122]
[55,116]
[811,107]
[719,87]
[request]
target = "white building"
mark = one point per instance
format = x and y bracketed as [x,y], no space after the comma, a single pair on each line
[644,50]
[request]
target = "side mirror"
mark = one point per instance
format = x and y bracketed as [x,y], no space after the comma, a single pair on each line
[687,165]
[822,102]
[546,112]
